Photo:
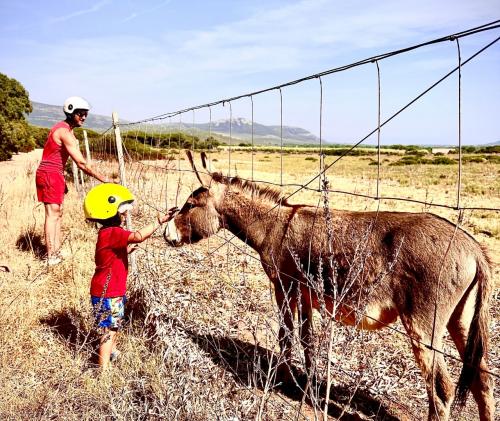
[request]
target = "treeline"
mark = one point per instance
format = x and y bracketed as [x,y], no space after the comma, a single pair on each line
[481,149]
[147,145]
[413,149]
[366,150]
[171,140]
[137,145]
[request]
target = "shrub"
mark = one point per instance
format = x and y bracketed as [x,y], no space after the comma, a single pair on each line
[490,149]
[494,159]
[415,159]
[443,160]
[473,158]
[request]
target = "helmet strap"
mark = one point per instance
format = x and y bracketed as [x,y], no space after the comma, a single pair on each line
[70,119]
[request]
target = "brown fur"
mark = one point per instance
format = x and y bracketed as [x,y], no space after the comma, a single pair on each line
[364,268]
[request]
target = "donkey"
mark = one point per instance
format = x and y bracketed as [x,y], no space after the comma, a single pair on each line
[415,266]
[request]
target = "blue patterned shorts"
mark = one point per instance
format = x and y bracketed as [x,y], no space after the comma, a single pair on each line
[109,312]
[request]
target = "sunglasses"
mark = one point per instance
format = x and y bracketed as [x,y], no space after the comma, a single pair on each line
[82,113]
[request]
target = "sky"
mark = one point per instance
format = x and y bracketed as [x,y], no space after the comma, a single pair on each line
[143,59]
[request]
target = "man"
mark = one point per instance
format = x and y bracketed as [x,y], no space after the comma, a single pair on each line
[50,185]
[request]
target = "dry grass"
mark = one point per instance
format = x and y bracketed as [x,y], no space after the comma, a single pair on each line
[203,326]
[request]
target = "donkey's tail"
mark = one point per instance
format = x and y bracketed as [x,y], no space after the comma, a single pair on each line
[477,340]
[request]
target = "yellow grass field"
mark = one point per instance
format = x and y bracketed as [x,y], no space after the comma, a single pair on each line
[202,333]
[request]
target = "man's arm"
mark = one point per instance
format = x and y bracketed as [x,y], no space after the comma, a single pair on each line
[71,144]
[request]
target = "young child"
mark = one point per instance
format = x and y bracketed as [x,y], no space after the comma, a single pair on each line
[108,204]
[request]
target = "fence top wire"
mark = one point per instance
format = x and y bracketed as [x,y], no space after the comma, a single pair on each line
[486,27]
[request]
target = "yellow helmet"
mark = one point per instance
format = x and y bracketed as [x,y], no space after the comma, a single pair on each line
[104,201]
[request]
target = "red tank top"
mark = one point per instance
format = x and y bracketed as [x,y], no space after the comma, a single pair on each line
[54,156]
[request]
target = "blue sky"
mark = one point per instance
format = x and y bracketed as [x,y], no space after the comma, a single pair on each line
[147,58]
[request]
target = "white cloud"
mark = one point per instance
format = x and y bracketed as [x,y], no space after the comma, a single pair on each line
[92,9]
[135,15]
[309,33]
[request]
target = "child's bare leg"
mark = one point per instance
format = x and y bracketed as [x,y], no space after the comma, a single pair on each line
[108,340]
[115,353]
[114,340]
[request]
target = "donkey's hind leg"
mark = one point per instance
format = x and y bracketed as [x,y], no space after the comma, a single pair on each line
[482,386]
[433,367]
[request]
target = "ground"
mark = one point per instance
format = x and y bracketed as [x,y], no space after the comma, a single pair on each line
[203,326]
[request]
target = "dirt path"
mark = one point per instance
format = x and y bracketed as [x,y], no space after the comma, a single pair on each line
[21,162]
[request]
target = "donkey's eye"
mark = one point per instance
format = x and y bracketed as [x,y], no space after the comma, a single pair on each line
[188,205]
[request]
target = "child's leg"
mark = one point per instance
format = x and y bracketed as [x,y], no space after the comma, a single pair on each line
[109,313]
[108,340]
[114,340]
[114,349]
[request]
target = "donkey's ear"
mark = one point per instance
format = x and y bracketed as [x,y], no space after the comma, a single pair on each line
[207,164]
[204,160]
[203,178]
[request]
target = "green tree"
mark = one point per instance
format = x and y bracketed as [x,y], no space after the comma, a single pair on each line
[15,133]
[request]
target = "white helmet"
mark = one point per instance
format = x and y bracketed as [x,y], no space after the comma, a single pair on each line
[75,103]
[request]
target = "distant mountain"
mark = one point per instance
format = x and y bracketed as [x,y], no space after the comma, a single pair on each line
[241,132]
[45,115]
[242,129]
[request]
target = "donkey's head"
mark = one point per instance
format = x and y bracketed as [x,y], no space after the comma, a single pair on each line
[198,217]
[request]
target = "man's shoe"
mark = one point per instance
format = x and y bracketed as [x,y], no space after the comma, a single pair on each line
[54,260]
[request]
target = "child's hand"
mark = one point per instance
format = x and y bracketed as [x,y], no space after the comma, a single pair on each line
[168,216]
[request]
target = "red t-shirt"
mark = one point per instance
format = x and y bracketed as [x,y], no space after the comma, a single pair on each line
[54,156]
[111,258]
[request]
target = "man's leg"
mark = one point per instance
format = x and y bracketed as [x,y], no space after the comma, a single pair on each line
[53,214]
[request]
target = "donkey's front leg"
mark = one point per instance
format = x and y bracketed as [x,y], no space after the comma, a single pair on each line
[306,331]
[287,304]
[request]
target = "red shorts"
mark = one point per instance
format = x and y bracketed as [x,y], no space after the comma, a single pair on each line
[50,187]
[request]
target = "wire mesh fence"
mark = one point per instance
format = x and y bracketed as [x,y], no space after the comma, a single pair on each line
[216,293]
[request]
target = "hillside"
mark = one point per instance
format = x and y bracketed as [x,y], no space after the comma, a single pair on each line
[45,115]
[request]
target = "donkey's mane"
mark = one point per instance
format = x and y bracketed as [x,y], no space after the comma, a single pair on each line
[247,186]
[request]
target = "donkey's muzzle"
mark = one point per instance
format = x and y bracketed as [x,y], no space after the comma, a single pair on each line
[171,236]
